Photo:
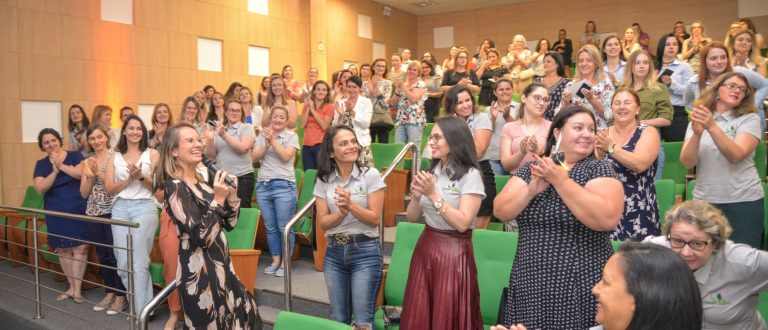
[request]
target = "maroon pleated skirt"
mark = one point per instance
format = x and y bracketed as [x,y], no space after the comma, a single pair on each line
[442,291]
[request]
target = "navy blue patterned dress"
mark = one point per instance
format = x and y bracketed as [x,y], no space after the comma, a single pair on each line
[558,259]
[63,196]
[641,211]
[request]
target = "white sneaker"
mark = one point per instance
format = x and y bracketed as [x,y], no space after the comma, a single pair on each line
[280,272]
[270,269]
[104,304]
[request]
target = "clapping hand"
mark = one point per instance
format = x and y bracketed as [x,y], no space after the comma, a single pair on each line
[545,168]
[701,119]
[343,200]
[423,184]
[268,134]
[603,141]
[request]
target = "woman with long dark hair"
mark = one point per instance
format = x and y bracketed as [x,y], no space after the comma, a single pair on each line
[432,80]
[525,138]
[129,177]
[666,60]
[442,290]
[316,118]
[77,125]
[566,203]
[350,202]
[460,103]
[555,79]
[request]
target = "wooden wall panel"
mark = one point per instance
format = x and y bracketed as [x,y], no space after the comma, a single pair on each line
[60,50]
[8,29]
[9,75]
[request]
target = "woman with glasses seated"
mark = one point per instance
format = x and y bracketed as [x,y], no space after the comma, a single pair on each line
[730,275]
[721,141]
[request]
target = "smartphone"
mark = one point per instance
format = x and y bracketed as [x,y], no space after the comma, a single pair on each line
[666,72]
[583,86]
[212,123]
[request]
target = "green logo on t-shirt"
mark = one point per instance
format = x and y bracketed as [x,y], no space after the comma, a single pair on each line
[715,299]
[359,191]
[452,187]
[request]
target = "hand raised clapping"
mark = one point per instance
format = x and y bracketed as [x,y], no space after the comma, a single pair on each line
[423,184]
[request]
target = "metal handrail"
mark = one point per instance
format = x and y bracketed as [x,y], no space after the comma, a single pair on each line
[73,216]
[410,146]
[36,267]
[156,301]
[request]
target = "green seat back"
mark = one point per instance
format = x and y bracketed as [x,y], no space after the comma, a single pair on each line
[397,275]
[762,305]
[673,169]
[32,200]
[665,196]
[494,256]
[48,256]
[299,175]
[290,321]
[501,181]
[615,245]
[243,235]
[516,97]
[304,226]
[399,265]
[760,160]
[384,154]
[408,162]
[156,273]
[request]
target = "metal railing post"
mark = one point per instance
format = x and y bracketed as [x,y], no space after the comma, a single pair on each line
[131,287]
[144,316]
[410,146]
[38,314]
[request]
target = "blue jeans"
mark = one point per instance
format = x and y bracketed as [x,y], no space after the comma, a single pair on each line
[353,272]
[277,201]
[309,156]
[498,169]
[143,211]
[405,133]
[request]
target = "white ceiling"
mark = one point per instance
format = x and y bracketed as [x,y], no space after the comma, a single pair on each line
[443,6]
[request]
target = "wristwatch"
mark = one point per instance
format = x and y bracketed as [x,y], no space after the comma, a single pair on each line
[438,204]
[612,148]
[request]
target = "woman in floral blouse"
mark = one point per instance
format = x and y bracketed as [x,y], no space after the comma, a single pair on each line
[410,94]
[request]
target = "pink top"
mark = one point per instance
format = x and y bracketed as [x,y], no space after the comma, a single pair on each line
[514,131]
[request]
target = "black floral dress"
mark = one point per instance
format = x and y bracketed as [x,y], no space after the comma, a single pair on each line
[641,211]
[558,259]
[211,294]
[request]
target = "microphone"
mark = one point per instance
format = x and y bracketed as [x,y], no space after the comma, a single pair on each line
[213,168]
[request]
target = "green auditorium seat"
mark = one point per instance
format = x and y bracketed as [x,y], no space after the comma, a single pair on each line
[304,226]
[397,274]
[494,256]
[290,321]
[665,197]
[673,169]
[385,153]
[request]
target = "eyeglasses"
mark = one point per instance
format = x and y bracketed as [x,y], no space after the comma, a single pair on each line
[539,98]
[734,86]
[695,245]
[434,137]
